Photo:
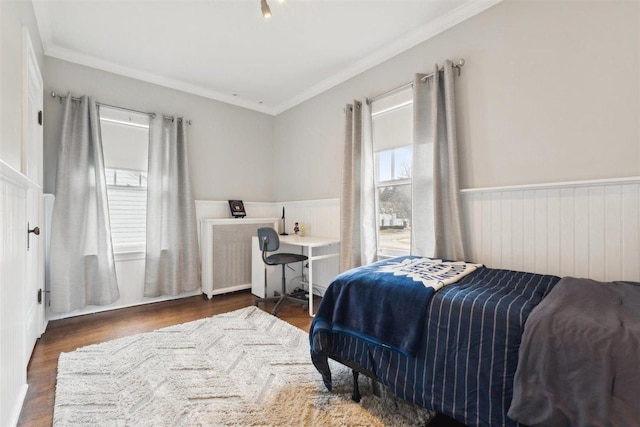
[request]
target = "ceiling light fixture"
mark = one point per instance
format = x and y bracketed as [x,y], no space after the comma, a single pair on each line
[266,12]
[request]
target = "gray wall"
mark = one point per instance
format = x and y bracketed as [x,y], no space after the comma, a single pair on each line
[14,15]
[550,92]
[230,148]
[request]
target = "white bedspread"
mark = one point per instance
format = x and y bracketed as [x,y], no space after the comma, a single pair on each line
[434,273]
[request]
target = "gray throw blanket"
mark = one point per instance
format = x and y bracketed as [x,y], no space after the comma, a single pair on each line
[579,360]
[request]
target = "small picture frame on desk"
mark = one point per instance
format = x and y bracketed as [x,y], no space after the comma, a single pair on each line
[237,209]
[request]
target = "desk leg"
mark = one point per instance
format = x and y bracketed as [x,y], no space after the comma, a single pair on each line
[310,282]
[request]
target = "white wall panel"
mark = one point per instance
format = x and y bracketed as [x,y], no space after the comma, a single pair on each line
[583,229]
[596,232]
[613,229]
[319,218]
[567,225]
[13,325]
[516,241]
[630,231]
[581,217]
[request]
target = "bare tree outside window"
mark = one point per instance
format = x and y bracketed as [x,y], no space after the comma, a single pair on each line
[394,202]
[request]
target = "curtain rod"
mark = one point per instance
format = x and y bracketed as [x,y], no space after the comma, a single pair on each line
[457,65]
[152,115]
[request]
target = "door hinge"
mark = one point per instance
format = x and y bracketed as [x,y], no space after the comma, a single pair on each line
[40,117]
[39,296]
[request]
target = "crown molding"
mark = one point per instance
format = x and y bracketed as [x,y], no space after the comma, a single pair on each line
[93,62]
[429,30]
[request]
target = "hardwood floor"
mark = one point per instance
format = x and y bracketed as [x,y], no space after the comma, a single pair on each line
[69,334]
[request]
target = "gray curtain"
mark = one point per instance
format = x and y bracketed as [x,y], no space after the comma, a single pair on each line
[357,203]
[368,206]
[350,197]
[82,267]
[422,222]
[437,229]
[172,254]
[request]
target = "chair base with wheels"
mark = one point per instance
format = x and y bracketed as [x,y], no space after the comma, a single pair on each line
[269,242]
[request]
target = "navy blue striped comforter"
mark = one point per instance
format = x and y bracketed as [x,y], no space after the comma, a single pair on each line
[466,361]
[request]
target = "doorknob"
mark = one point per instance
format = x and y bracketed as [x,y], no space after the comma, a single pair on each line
[34,230]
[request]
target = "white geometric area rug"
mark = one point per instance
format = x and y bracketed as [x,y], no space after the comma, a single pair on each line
[243,368]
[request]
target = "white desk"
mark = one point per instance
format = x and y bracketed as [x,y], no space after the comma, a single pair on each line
[311,242]
[259,271]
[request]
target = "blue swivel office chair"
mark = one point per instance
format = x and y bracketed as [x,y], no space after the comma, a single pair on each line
[269,242]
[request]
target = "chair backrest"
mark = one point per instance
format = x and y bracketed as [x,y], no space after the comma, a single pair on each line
[268,238]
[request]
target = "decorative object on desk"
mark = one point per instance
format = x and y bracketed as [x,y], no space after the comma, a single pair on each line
[237,208]
[302,231]
[296,228]
[283,230]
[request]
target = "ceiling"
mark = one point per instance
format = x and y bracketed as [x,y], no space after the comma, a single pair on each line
[226,50]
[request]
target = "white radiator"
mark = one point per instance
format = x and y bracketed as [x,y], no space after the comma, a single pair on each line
[225,247]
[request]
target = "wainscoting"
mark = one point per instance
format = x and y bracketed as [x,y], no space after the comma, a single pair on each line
[13,307]
[582,229]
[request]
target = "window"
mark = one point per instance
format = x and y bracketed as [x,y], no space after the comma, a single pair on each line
[392,120]
[125,145]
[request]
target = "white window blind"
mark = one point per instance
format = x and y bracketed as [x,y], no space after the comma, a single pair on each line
[125,141]
[128,215]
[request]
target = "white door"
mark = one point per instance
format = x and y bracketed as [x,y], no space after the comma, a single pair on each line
[32,165]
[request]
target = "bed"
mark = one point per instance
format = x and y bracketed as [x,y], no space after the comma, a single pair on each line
[453,349]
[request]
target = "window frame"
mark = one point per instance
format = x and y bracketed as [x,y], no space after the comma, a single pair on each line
[121,117]
[383,253]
